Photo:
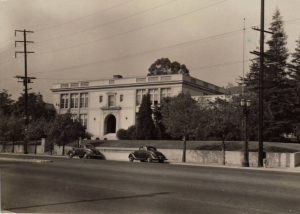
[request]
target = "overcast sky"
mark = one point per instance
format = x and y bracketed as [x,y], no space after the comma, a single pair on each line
[94,39]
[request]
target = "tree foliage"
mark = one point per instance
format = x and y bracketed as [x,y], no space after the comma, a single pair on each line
[37,108]
[225,120]
[165,66]
[6,103]
[145,128]
[180,116]
[277,89]
[294,72]
[64,130]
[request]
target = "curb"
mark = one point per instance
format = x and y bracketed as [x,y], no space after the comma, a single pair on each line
[25,160]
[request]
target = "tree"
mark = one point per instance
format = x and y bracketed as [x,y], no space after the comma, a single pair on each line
[145,128]
[276,83]
[37,108]
[64,130]
[294,73]
[165,66]
[38,129]
[6,102]
[180,117]
[224,121]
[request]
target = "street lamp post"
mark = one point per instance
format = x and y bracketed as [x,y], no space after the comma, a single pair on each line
[245,105]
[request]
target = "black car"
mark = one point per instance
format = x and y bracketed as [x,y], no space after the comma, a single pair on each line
[85,151]
[147,153]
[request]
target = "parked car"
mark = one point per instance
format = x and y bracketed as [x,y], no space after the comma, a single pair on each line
[85,151]
[147,153]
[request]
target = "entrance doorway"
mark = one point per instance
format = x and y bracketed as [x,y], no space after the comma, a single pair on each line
[110,124]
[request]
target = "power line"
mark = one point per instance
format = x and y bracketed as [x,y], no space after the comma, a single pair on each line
[109,22]
[85,16]
[190,68]
[143,52]
[73,20]
[133,30]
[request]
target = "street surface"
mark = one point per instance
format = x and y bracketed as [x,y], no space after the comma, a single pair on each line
[85,186]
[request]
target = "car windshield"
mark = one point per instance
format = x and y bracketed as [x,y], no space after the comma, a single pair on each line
[151,148]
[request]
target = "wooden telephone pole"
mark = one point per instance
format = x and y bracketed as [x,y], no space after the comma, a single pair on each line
[24,79]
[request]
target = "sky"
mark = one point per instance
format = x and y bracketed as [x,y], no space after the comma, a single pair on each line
[76,40]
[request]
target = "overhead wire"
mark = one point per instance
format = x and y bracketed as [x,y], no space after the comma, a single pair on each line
[141,53]
[85,16]
[130,31]
[72,34]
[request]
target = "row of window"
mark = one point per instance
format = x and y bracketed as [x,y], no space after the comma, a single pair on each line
[81,99]
[82,119]
[154,98]
[76,100]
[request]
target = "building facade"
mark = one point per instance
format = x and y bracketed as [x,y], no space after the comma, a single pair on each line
[105,106]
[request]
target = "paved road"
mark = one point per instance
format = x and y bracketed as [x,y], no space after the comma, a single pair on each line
[85,186]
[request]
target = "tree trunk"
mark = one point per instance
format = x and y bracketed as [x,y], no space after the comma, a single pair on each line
[184,150]
[35,147]
[63,150]
[51,148]
[223,152]
[13,147]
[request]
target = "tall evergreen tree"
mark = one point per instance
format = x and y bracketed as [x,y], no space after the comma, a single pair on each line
[294,72]
[145,128]
[277,101]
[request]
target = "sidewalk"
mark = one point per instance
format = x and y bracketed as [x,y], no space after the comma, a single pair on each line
[292,170]
[32,158]
[29,158]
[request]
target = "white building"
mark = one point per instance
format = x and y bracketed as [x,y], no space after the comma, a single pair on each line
[105,106]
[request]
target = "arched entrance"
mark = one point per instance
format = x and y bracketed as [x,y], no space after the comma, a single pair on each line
[110,124]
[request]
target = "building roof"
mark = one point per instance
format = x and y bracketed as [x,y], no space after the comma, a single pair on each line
[121,82]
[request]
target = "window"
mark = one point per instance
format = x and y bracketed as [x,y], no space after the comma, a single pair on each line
[74,100]
[165,92]
[84,99]
[83,120]
[111,100]
[153,95]
[64,100]
[152,79]
[74,117]
[100,99]
[139,95]
[64,85]
[84,84]
[121,98]
[74,84]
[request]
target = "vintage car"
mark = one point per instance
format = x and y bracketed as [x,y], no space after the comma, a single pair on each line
[147,153]
[85,151]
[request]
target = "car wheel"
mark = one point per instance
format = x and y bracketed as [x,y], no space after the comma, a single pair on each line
[70,154]
[86,156]
[131,159]
[161,161]
[80,156]
[149,160]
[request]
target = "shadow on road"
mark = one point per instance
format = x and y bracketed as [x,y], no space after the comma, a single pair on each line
[92,200]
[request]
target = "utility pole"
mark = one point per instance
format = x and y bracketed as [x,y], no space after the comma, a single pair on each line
[261,55]
[24,79]
[261,87]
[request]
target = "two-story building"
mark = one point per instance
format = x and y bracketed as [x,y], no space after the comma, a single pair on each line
[105,106]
